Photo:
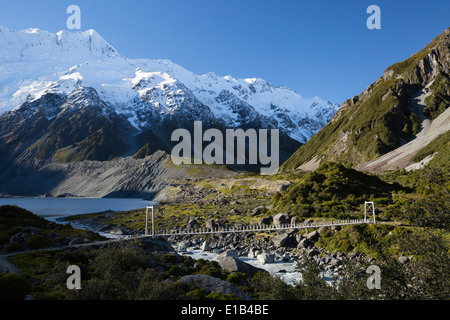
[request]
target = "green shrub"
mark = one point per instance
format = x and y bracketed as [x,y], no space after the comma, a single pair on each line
[176,270]
[236,278]
[13,287]
[213,272]
[37,241]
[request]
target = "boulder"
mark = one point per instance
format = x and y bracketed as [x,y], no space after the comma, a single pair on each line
[265,221]
[120,231]
[159,245]
[285,240]
[211,224]
[297,265]
[266,257]
[312,236]
[228,253]
[286,257]
[192,224]
[313,252]
[232,264]
[211,284]
[280,219]
[303,243]
[251,253]
[335,262]
[106,228]
[182,246]
[234,212]
[403,260]
[205,246]
[16,240]
[258,210]
[53,235]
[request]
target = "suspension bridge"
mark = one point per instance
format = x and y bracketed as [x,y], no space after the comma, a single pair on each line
[369,218]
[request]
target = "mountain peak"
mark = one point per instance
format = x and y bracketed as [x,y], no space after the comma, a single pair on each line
[34,43]
[36,62]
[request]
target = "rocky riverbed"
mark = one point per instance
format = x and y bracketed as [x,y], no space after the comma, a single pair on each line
[282,254]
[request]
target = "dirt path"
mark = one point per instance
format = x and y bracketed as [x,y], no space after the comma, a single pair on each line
[5,264]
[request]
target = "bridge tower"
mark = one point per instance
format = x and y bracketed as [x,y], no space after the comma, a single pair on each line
[149,207]
[369,208]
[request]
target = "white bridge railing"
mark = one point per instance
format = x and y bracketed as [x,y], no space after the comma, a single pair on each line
[368,208]
[259,228]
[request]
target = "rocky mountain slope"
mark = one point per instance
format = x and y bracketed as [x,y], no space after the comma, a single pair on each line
[396,111]
[70,97]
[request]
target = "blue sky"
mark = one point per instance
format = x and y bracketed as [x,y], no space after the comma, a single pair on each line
[318,48]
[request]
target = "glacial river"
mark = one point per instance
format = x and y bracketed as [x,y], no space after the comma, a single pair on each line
[62,207]
[54,208]
[282,269]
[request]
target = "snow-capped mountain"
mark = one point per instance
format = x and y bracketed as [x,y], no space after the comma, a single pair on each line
[36,64]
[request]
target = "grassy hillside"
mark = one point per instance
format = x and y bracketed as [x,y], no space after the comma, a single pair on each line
[20,230]
[381,118]
[333,191]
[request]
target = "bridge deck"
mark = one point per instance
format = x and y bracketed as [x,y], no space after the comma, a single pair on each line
[261,228]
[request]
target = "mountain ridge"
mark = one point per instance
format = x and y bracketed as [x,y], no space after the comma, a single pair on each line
[384,116]
[119,80]
[70,97]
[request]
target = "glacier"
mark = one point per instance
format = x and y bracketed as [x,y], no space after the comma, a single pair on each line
[35,62]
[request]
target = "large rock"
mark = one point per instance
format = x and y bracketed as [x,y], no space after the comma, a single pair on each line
[229,253]
[403,260]
[258,210]
[265,221]
[159,245]
[252,253]
[303,243]
[211,284]
[232,264]
[285,240]
[336,228]
[119,231]
[313,252]
[335,262]
[266,257]
[205,246]
[234,212]
[211,224]
[192,224]
[16,240]
[312,236]
[105,228]
[280,219]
